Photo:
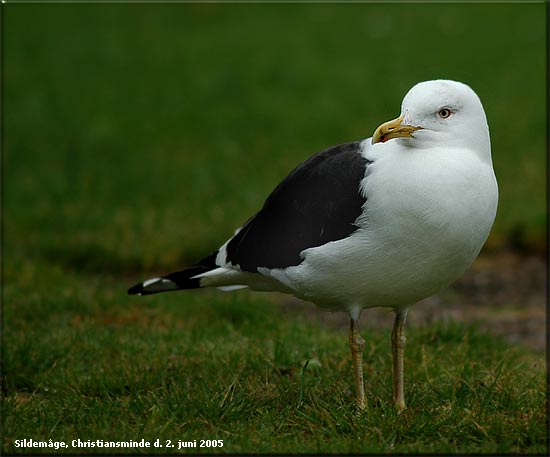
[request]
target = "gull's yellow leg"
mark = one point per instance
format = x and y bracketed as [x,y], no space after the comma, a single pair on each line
[357,344]
[398,341]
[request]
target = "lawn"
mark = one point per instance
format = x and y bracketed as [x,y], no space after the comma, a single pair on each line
[136,138]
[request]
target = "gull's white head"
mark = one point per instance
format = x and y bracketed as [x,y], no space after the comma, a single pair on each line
[440,113]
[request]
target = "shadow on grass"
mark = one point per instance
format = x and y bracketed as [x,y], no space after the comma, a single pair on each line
[91,259]
[95,259]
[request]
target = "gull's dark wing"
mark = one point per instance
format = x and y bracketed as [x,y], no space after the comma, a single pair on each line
[318,202]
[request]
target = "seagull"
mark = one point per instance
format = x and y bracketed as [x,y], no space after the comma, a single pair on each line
[381,222]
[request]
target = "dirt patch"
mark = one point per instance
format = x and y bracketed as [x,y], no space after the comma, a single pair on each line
[504,293]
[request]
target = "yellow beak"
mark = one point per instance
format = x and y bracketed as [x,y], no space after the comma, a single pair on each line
[393,129]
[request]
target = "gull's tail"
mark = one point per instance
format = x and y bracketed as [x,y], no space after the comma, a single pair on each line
[178,280]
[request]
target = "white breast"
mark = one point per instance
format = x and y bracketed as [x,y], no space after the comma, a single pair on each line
[426,217]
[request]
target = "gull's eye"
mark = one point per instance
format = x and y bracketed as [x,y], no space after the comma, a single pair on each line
[444,113]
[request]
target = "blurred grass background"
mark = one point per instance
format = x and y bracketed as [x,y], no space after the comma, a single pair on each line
[138,137]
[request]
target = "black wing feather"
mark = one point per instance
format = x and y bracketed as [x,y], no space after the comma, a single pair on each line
[317,203]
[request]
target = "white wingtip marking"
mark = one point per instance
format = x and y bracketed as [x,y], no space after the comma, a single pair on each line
[151,281]
[230,288]
[159,284]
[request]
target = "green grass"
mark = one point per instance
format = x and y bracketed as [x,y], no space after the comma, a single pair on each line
[137,138]
[204,366]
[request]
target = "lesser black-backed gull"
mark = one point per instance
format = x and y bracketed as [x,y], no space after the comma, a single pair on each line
[382,222]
